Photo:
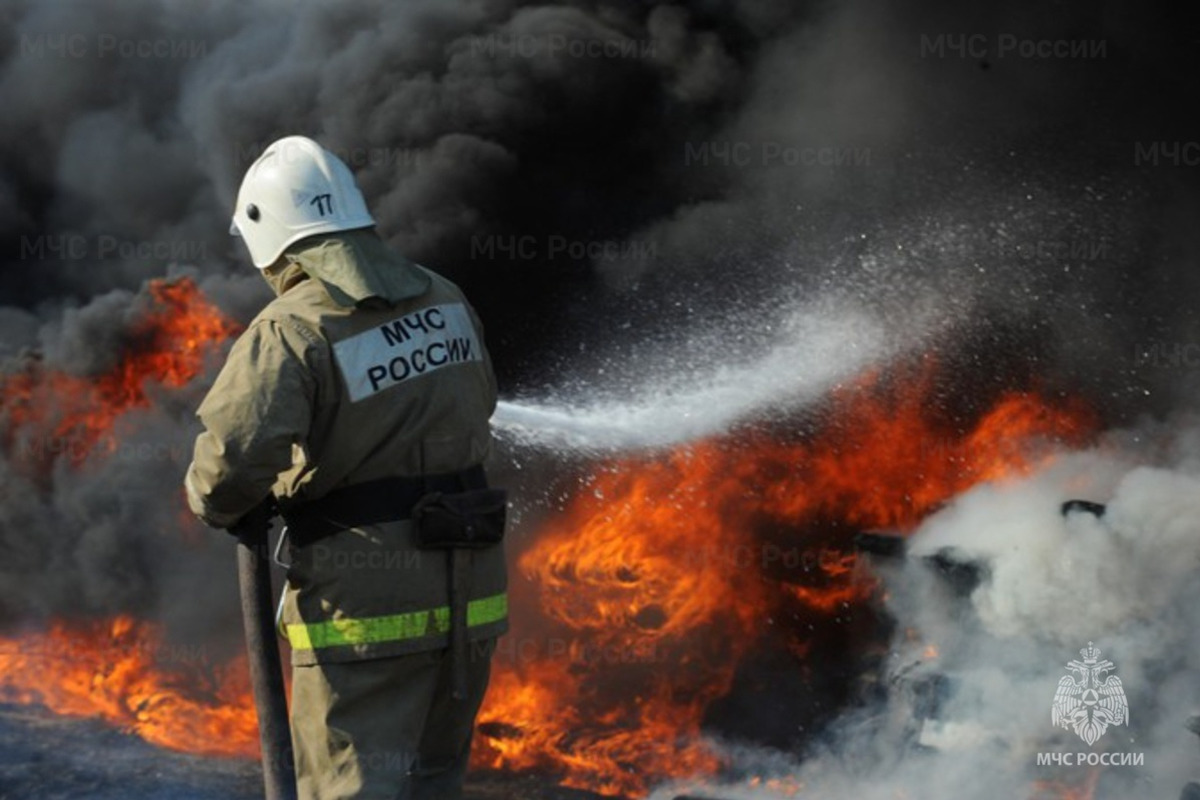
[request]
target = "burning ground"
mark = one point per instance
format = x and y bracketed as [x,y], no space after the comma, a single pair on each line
[758,277]
[639,601]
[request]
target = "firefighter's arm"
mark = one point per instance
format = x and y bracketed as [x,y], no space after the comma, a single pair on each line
[259,406]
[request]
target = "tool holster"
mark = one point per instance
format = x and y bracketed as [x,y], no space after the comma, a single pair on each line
[458,523]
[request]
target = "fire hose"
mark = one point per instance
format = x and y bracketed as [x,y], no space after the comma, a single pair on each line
[266,671]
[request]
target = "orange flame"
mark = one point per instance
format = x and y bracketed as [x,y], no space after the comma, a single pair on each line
[640,599]
[125,672]
[122,669]
[659,569]
[76,415]
[1059,790]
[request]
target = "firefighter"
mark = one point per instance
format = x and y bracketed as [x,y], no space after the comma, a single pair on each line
[358,400]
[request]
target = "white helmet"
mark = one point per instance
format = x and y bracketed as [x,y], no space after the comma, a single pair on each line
[295,189]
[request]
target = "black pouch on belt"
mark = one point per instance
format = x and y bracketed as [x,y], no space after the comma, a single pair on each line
[459,522]
[472,519]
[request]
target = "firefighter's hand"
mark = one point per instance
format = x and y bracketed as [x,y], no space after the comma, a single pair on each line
[253,526]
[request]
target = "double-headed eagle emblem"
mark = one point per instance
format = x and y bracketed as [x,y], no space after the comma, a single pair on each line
[1088,704]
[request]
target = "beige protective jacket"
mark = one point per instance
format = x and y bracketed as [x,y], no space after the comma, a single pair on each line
[365,366]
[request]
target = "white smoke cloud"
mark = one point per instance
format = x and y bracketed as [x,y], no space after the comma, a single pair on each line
[1048,585]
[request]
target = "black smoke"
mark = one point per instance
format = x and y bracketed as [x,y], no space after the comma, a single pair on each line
[597,176]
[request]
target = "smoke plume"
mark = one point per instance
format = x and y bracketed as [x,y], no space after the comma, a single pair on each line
[730,205]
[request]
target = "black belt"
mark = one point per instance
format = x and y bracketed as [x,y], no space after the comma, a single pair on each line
[383,500]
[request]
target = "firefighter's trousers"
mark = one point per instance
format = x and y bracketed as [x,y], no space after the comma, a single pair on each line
[385,728]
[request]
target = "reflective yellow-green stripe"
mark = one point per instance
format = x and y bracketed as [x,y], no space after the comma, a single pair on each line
[393,627]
